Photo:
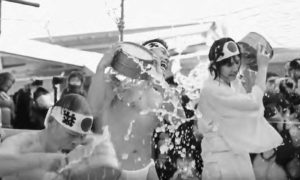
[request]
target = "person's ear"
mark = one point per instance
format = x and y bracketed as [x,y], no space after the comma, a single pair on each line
[50,122]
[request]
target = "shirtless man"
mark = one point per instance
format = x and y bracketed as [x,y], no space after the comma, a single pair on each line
[36,154]
[122,113]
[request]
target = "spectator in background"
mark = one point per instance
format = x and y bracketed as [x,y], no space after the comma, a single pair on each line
[284,161]
[6,81]
[75,84]
[23,102]
[293,69]
[271,82]
[6,102]
[42,101]
[26,104]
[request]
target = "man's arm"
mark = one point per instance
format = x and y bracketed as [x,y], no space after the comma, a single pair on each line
[13,161]
[10,132]
[100,91]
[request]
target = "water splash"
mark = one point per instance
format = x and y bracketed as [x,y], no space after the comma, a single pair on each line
[171,98]
[129,130]
[124,156]
[85,154]
[98,146]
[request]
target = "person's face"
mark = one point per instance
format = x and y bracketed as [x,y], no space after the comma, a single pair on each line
[7,85]
[229,71]
[295,74]
[75,81]
[44,101]
[162,57]
[71,139]
[248,55]
[271,84]
[67,139]
[289,85]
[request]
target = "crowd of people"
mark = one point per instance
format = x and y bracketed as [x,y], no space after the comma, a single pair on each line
[241,127]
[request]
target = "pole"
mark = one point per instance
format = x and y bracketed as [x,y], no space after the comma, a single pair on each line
[121,22]
[55,93]
[0,15]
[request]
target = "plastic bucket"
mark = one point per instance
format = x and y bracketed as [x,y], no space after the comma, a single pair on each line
[249,45]
[125,60]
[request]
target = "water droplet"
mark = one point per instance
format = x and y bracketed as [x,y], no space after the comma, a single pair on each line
[124,156]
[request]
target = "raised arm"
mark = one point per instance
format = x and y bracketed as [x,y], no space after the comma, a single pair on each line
[98,94]
[13,163]
[263,59]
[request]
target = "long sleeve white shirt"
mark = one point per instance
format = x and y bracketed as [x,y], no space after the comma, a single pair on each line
[234,118]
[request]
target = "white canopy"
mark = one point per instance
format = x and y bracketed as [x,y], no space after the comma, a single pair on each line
[39,51]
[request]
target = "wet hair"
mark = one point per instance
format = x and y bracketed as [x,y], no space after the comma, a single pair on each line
[215,52]
[157,40]
[76,74]
[39,92]
[76,103]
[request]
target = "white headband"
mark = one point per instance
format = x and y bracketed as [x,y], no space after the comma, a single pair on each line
[230,49]
[152,45]
[71,120]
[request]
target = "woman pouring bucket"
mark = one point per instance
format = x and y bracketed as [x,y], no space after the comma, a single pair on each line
[232,120]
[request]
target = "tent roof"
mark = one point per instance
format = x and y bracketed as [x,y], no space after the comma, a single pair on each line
[36,50]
